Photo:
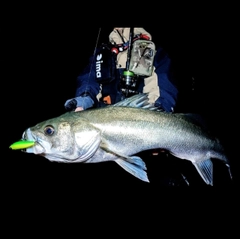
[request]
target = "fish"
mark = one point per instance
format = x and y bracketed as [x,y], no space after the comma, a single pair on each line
[119,132]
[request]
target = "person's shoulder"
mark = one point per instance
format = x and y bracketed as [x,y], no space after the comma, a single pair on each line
[140,30]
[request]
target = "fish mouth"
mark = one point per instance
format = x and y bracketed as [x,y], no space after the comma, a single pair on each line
[37,148]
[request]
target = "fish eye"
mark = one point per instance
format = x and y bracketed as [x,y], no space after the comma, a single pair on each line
[49,130]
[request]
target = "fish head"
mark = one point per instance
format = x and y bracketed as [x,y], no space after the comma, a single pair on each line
[63,139]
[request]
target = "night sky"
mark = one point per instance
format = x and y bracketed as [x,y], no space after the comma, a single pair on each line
[41,62]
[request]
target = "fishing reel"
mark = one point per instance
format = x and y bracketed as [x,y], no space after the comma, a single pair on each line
[128,83]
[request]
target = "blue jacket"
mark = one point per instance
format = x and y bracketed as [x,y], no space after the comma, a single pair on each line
[87,83]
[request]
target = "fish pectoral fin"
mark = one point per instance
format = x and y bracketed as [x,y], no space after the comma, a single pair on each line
[205,169]
[135,166]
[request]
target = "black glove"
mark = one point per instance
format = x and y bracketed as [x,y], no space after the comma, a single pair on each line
[71,105]
[81,101]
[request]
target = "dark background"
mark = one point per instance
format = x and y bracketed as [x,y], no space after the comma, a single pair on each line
[42,56]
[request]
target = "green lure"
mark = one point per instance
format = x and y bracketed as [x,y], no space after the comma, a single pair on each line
[22,144]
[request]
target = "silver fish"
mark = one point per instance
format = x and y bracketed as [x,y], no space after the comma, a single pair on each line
[118,132]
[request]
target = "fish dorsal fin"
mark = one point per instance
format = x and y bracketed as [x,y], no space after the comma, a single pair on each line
[137,101]
[205,169]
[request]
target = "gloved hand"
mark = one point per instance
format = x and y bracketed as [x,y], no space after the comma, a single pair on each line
[84,102]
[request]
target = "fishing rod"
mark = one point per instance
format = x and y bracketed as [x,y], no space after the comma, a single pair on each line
[128,77]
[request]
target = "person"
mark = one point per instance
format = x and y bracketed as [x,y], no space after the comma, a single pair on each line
[107,79]
[102,82]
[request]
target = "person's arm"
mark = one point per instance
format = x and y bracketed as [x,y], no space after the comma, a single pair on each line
[166,81]
[86,91]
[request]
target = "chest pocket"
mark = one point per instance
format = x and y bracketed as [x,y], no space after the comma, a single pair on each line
[142,56]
